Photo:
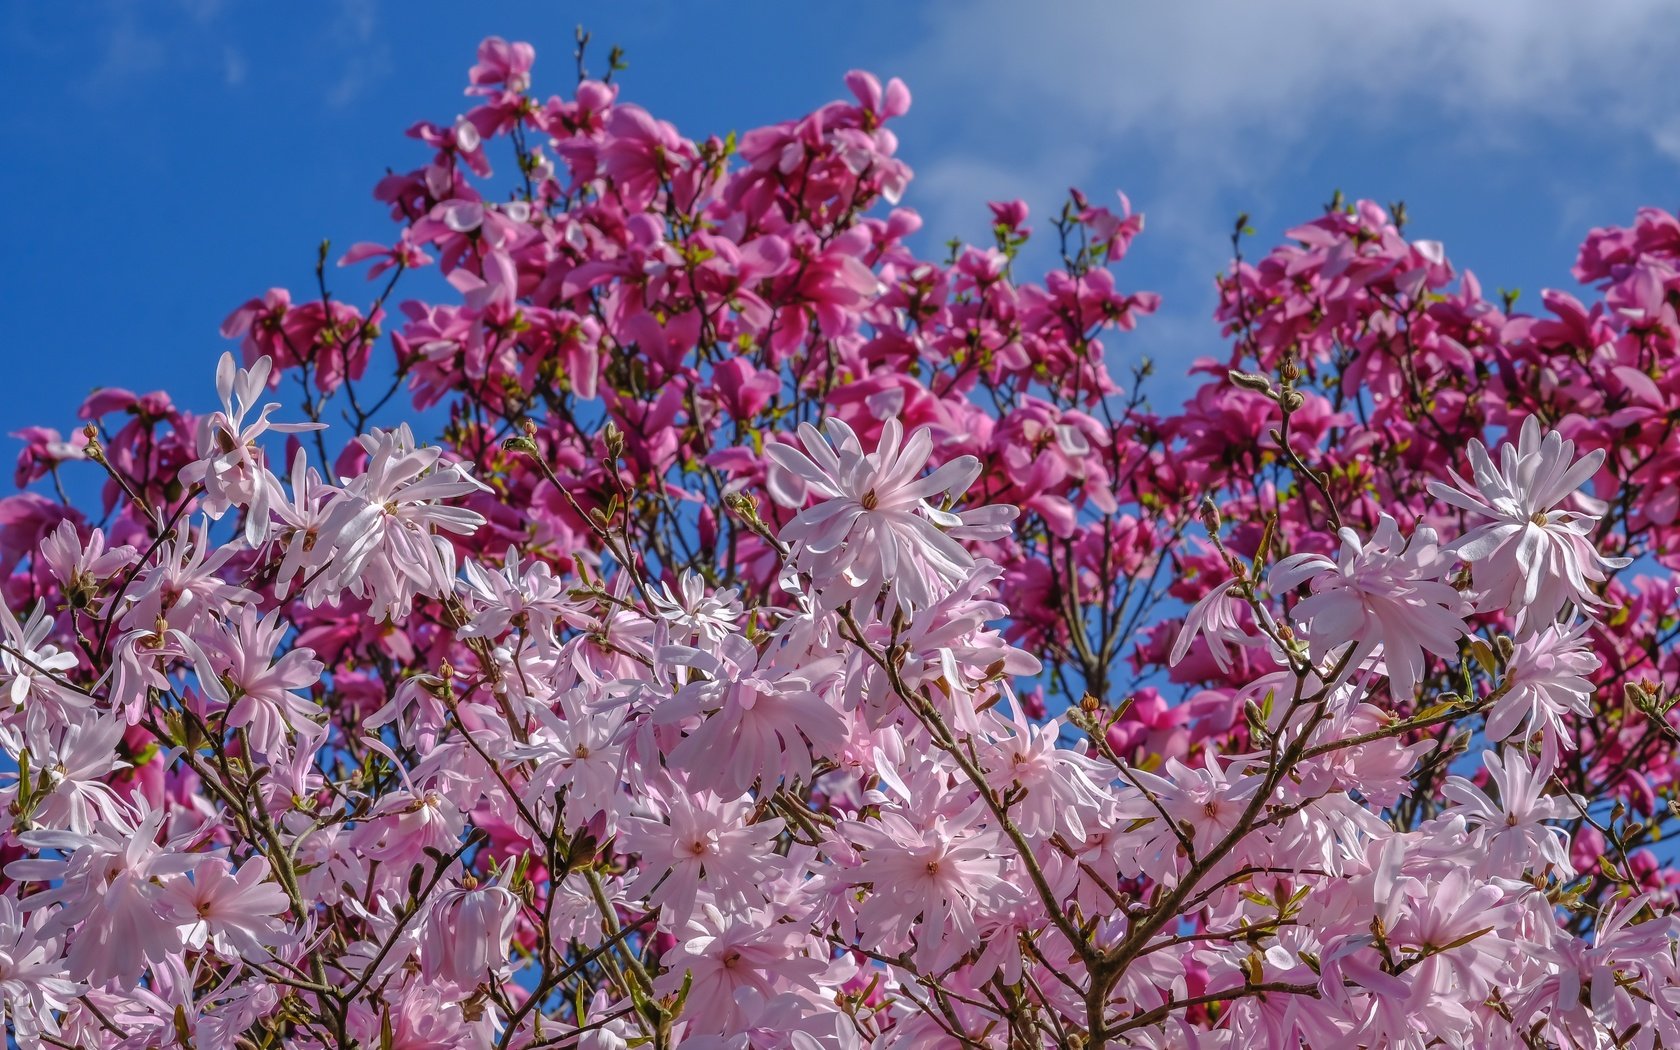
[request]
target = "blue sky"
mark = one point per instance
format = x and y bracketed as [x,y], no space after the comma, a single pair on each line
[171,158]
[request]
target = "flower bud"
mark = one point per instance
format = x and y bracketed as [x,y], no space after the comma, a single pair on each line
[470,932]
[1252,381]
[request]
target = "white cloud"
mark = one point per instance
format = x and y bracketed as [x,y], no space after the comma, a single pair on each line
[1205,76]
[1205,107]
[1222,95]
[365,60]
[234,66]
[128,52]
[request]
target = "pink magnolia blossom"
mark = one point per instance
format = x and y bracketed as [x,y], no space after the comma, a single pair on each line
[875,519]
[1550,676]
[1509,833]
[1533,557]
[606,703]
[1383,592]
[234,912]
[472,926]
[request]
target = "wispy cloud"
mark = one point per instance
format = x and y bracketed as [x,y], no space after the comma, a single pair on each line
[128,51]
[1222,95]
[1219,78]
[234,66]
[1203,109]
[365,59]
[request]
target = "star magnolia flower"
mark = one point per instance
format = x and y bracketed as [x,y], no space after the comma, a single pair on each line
[74,761]
[111,884]
[1209,798]
[230,464]
[719,955]
[532,599]
[301,519]
[694,612]
[468,937]
[1386,592]
[934,875]
[1061,787]
[1531,558]
[383,545]
[708,843]
[757,719]
[873,526]
[577,750]
[30,665]
[235,913]
[1509,834]
[81,566]
[1216,617]
[1548,675]
[237,658]
[33,986]
[1456,909]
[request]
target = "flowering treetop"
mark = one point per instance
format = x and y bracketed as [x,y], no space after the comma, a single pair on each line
[691,687]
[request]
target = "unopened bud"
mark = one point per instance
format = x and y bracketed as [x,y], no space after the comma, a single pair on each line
[1252,381]
[742,505]
[1209,513]
[1636,695]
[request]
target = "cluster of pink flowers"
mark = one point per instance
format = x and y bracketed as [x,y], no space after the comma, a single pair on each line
[791,642]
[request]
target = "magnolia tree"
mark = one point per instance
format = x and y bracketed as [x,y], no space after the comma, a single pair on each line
[694,687]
